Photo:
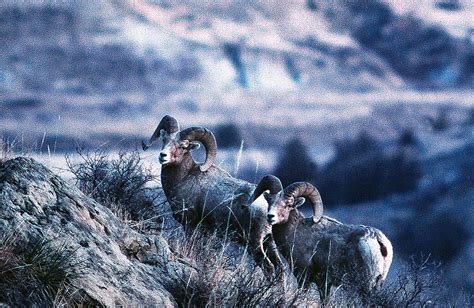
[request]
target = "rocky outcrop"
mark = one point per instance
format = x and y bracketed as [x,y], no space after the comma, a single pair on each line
[121,266]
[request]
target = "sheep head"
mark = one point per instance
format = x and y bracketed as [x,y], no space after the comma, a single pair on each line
[268,182]
[177,143]
[282,203]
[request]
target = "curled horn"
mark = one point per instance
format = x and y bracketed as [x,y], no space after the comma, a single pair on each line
[206,137]
[305,189]
[268,182]
[169,124]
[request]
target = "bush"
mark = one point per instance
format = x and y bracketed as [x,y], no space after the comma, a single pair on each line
[361,171]
[119,183]
[295,164]
[467,165]
[448,242]
[449,5]
[407,138]
[470,117]
[417,283]
[228,135]
[440,122]
[361,145]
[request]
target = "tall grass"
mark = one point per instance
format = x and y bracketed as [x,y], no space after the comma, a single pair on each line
[228,276]
[37,272]
[7,149]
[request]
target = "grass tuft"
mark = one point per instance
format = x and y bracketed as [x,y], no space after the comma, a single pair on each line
[36,272]
[228,276]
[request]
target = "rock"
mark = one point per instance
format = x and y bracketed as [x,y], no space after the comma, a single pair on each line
[120,265]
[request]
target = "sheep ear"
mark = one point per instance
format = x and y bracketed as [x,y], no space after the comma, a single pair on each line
[300,201]
[194,146]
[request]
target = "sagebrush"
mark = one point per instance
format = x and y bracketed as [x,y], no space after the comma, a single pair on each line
[120,183]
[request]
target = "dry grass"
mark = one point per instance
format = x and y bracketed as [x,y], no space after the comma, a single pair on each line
[7,148]
[418,283]
[37,272]
[228,276]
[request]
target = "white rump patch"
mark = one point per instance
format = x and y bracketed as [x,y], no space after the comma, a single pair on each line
[370,250]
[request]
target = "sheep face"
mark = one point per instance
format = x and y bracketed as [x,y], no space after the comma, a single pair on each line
[174,149]
[279,207]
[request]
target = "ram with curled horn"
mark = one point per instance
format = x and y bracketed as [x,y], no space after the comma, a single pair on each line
[205,194]
[322,250]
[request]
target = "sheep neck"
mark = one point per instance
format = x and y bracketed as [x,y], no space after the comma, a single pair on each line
[284,233]
[172,175]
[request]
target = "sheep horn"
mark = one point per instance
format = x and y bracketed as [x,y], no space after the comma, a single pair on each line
[169,124]
[305,189]
[268,182]
[206,137]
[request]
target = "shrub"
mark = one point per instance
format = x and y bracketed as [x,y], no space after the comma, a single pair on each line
[295,164]
[440,122]
[407,138]
[228,135]
[449,5]
[362,144]
[470,117]
[447,243]
[467,165]
[118,183]
[417,283]
[369,28]
[361,171]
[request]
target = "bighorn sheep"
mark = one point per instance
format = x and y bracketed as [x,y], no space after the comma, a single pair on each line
[206,194]
[321,249]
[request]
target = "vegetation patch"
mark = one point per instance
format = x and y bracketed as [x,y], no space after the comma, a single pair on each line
[120,183]
[38,272]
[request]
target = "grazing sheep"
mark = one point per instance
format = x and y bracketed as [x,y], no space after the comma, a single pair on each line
[206,194]
[322,250]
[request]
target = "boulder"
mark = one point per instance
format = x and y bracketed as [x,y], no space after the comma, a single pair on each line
[119,265]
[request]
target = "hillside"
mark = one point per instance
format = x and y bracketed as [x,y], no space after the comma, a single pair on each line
[60,247]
